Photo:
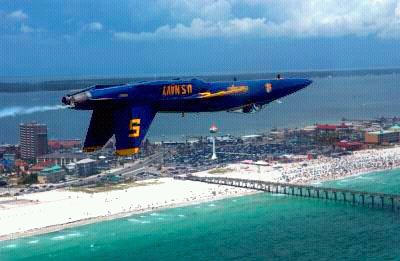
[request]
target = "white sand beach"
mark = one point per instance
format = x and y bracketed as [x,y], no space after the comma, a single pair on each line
[54,210]
[316,170]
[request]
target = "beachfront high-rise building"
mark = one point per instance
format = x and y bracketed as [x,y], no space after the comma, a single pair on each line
[32,140]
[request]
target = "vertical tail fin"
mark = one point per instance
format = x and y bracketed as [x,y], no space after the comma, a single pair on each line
[100,130]
[130,127]
[129,124]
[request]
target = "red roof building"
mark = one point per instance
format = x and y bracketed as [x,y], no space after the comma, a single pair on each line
[344,126]
[326,127]
[332,127]
[21,165]
[349,145]
[40,166]
[63,144]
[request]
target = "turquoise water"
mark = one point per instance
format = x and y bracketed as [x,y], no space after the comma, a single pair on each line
[258,227]
[385,181]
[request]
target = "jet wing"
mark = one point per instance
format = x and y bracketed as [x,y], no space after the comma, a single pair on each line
[130,127]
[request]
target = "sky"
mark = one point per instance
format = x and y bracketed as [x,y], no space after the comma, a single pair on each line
[44,38]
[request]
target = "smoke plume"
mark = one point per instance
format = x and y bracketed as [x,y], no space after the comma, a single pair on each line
[17,110]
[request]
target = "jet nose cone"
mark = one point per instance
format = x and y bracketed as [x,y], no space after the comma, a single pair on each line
[307,82]
[303,83]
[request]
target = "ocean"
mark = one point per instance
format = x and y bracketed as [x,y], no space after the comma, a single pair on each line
[256,227]
[328,99]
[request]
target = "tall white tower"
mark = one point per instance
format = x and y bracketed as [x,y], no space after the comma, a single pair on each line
[213,130]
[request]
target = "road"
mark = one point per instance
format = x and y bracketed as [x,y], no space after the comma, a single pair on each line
[131,170]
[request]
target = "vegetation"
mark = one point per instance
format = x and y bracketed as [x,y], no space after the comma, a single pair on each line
[28,179]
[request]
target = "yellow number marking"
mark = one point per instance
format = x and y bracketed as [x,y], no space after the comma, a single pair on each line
[134,127]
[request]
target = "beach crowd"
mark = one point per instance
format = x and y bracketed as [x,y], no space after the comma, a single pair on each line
[328,168]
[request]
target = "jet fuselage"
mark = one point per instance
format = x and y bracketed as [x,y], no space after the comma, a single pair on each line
[126,110]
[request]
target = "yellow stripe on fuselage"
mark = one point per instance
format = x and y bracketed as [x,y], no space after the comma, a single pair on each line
[231,90]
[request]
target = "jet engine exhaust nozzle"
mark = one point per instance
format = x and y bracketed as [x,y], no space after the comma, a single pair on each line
[79,98]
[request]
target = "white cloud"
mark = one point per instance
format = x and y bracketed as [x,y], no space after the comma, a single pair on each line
[200,28]
[93,27]
[182,10]
[290,18]
[397,10]
[26,28]
[216,10]
[17,15]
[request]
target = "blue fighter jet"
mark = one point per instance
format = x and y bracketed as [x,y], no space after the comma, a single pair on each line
[127,110]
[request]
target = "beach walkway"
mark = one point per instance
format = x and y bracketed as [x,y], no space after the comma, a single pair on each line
[363,198]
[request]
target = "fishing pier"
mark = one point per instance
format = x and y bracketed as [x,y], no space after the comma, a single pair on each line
[354,197]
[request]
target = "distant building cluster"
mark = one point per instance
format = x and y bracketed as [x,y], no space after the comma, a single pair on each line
[37,159]
[391,135]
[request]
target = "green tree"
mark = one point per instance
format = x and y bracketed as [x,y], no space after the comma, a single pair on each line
[29,179]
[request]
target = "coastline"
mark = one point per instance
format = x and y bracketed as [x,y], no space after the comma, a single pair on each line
[359,163]
[61,209]
[229,193]
[355,175]
[83,222]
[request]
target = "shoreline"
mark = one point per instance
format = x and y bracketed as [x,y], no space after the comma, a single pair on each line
[359,163]
[62,209]
[93,220]
[120,215]
[353,175]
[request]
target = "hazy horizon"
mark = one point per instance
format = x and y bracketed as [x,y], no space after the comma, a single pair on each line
[44,78]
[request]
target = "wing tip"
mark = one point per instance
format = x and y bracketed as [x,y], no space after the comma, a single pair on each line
[127,152]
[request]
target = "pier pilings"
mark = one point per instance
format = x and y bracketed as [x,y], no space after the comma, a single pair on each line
[363,198]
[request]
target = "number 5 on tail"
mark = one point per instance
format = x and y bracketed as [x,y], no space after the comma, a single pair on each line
[134,127]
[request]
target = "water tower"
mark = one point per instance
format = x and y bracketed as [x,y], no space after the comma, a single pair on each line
[213,130]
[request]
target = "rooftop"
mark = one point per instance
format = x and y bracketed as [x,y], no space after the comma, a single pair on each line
[58,155]
[50,170]
[326,127]
[85,161]
[252,136]
[381,132]
[41,166]
[57,144]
